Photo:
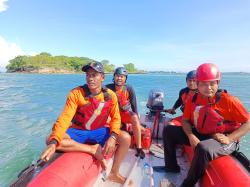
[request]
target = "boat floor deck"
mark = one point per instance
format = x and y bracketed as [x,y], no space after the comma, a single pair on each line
[133,169]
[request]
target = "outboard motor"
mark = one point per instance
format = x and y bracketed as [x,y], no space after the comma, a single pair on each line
[155,100]
[155,118]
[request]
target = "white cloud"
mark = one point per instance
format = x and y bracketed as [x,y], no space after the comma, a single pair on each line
[3,5]
[228,56]
[8,51]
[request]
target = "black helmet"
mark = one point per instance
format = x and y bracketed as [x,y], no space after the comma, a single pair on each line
[191,75]
[121,71]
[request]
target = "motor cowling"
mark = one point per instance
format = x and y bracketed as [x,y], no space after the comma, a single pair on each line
[155,100]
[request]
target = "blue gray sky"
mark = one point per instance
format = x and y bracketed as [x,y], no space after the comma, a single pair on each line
[153,34]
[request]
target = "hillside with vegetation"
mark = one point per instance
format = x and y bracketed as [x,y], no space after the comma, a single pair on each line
[46,63]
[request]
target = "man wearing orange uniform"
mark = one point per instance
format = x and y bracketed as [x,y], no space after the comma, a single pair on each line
[82,126]
[203,132]
[128,105]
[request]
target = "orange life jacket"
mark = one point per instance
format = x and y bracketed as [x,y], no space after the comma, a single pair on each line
[185,96]
[94,114]
[207,120]
[123,99]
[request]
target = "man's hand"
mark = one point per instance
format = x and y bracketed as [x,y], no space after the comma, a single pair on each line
[48,152]
[222,138]
[193,140]
[170,111]
[109,146]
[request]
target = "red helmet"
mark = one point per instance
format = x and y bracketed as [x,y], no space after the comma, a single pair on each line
[208,72]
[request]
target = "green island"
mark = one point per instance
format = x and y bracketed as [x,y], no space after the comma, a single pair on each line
[46,63]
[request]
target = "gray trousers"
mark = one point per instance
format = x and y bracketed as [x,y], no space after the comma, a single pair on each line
[208,149]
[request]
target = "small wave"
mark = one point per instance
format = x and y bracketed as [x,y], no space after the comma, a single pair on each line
[6,87]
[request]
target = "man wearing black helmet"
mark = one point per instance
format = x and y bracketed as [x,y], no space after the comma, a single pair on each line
[128,105]
[184,94]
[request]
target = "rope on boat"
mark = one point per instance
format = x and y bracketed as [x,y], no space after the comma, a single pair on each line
[26,174]
[152,183]
[129,176]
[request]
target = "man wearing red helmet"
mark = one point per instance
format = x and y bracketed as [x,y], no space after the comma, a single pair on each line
[213,121]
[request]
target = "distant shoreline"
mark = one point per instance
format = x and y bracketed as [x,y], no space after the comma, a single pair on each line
[64,71]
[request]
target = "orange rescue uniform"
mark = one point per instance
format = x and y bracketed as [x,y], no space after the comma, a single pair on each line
[76,98]
[228,106]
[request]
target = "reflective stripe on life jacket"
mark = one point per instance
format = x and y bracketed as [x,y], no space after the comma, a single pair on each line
[207,120]
[94,114]
[123,99]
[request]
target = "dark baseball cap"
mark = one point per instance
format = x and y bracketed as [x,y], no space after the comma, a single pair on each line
[97,66]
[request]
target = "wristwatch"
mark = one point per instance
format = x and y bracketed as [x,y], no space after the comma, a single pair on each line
[53,141]
[114,135]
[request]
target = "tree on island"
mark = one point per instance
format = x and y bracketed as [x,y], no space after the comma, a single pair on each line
[46,60]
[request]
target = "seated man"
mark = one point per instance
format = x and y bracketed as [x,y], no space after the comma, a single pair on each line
[184,95]
[82,124]
[201,131]
[127,104]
